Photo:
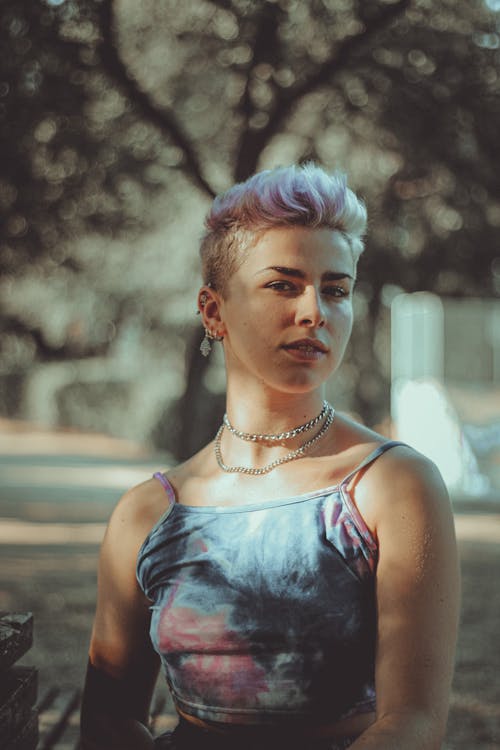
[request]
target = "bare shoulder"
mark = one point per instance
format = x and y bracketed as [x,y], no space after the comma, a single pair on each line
[400,465]
[136,513]
[403,485]
[402,468]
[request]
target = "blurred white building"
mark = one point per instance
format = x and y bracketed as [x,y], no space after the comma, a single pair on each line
[445,395]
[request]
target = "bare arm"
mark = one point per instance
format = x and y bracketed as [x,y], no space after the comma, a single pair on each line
[122,667]
[417,601]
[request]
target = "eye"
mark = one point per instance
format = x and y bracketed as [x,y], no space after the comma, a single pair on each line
[336,291]
[281,286]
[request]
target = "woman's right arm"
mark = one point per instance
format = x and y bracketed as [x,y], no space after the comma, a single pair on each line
[123,666]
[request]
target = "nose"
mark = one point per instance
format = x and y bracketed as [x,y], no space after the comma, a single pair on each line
[311,311]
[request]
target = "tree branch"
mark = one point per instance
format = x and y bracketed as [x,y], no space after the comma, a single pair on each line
[225,5]
[264,50]
[45,351]
[255,141]
[163,119]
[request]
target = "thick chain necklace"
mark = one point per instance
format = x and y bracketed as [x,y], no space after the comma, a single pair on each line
[253,437]
[297,453]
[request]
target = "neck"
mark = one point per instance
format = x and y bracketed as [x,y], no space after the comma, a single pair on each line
[269,412]
[278,415]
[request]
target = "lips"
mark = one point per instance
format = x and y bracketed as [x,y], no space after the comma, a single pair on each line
[307,345]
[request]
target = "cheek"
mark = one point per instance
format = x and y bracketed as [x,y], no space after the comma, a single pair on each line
[267,322]
[342,321]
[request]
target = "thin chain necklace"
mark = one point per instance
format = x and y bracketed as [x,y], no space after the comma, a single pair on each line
[297,453]
[253,437]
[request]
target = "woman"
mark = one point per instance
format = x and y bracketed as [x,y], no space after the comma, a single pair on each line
[299,574]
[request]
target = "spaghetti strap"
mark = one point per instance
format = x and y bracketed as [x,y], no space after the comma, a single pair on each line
[167,486]
[370,458]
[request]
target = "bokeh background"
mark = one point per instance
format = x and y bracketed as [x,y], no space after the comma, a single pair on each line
[119,122]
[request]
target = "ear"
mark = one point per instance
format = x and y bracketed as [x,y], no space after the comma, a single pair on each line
[209,305]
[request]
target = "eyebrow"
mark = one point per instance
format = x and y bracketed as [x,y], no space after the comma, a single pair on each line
[298,274]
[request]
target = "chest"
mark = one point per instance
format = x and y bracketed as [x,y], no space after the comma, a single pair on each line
[303,477]
[305,548]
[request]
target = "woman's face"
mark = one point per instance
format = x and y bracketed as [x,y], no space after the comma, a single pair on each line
[287,313]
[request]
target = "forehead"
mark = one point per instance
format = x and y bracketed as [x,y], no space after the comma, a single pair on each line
[311,250]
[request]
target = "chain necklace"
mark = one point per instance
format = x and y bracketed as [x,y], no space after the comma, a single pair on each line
[297,453]
[253,437]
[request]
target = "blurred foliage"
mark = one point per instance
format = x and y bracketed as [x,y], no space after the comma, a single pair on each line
[119,118]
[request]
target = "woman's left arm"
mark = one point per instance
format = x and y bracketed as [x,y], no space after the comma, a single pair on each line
[418,592]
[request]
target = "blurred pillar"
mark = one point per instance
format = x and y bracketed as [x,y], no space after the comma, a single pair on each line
[417,337]
[422,413]
[494,334]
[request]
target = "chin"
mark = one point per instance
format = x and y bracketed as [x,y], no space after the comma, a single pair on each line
[306,379]
[301,385]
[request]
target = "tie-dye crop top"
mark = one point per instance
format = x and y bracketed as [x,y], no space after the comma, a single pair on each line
[265,613]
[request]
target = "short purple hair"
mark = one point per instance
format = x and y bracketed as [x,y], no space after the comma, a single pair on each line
[298,195]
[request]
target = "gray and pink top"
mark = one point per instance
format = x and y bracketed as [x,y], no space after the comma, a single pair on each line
[265,613]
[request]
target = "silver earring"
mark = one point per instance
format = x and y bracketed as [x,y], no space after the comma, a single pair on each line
[206,346]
